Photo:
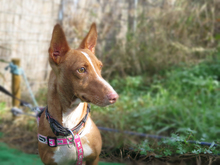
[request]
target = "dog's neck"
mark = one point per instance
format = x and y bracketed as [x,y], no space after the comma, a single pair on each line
[65,111]
[71,117]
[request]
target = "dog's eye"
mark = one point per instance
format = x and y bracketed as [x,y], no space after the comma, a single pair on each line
[81,70]
[101,66]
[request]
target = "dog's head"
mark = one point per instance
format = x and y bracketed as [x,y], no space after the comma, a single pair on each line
[78,71]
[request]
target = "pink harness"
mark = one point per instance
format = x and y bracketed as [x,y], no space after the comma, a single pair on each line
[54,142]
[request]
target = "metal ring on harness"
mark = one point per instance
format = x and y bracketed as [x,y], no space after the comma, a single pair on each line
[71,140]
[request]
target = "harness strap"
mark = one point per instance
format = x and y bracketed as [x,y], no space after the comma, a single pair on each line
[79,149]
[53,141]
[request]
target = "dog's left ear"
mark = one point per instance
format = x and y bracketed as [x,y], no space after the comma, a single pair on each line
[89,42]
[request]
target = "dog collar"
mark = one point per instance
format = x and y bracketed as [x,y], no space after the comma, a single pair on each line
[59,130]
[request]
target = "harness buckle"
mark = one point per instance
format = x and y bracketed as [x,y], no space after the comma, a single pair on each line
[52,141]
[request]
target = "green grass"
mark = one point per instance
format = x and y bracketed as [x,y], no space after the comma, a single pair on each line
[9,156]
[174,101]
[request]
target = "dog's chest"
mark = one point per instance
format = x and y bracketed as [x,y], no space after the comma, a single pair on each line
[65,155]
[68,156]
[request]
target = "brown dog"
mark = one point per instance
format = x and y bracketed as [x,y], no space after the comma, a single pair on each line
[75,80]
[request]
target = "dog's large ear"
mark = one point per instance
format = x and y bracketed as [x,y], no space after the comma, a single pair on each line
[58,45]
[89,42]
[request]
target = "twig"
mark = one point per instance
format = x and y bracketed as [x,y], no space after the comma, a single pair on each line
[210,160]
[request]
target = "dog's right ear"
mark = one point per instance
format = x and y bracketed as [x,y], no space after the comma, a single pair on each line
[89,42]
[58,45]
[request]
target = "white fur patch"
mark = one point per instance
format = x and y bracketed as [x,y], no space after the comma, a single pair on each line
[87,150]
[72,117]
[64,155]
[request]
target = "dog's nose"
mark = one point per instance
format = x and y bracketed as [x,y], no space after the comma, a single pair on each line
[112,97]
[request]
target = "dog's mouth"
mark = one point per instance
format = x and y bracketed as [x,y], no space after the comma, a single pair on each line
[85,99]
[96,100]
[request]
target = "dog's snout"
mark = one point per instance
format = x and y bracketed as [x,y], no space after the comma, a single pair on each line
[112,97]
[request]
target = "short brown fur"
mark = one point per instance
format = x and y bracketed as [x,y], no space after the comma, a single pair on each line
[66,85]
